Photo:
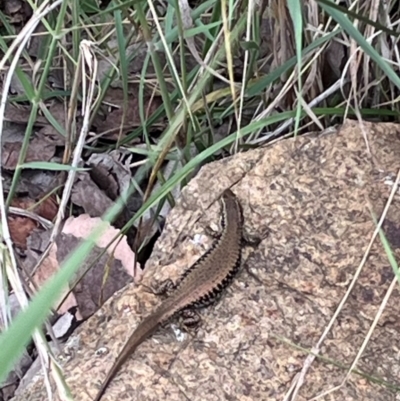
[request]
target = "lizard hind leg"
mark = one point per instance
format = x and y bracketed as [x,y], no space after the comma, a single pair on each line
[165,288]
[212,233]
[189,320]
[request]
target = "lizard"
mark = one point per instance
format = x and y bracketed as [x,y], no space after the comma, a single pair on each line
[199,286]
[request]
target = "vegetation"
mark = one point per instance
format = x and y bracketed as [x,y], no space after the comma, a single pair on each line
[290,67]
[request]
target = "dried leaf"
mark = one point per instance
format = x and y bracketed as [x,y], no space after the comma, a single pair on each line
[113,120]
[38,150]
[20,229]
[90,197]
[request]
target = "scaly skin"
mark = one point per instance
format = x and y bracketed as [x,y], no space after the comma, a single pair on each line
[199,286]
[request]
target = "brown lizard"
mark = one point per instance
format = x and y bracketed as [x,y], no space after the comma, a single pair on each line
[199,286]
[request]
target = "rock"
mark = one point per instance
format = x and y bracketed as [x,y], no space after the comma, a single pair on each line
[310,199]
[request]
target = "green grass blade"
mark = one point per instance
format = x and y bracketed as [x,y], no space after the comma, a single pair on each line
[14,340]
[259,85]
[296,14]
[51,166]
[347,25]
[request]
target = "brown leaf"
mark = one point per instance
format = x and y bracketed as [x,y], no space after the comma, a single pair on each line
[86,194]
[58,111]
[21,115]
[113,118]
[36,245]
[20,229]
[105,181]
[83,225]
[116,264]
[47,208]
[89,291]
[109,173]
[38,150]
